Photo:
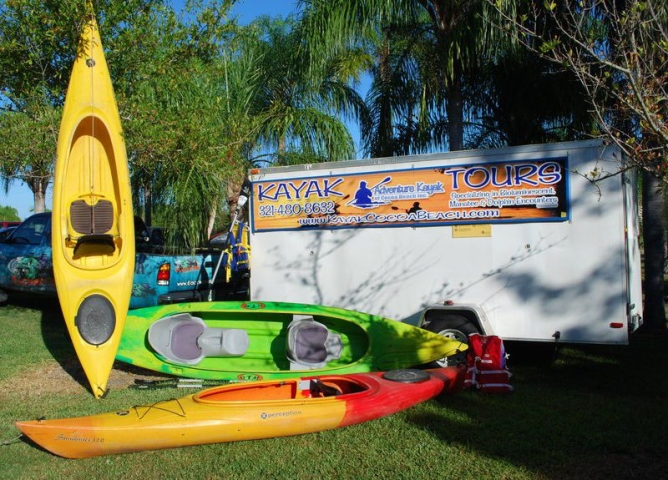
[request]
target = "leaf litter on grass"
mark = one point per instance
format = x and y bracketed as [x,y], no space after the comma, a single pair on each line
[53,378]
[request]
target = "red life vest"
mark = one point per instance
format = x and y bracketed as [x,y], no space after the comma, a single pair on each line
[486,359]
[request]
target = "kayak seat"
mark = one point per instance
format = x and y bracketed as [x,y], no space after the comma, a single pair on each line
[223,342]
[310,344]
[89,219]
[91,225]
[318,388]
[183,338]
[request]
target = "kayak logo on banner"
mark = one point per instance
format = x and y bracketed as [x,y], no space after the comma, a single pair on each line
[486,359]
[383,194]
[364,196]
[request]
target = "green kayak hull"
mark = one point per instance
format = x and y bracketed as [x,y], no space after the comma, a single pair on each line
[367,342]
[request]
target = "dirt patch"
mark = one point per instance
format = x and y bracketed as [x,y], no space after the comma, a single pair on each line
[54,378]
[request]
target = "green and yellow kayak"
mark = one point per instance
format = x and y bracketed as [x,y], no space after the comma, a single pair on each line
[92,225]
[241,341]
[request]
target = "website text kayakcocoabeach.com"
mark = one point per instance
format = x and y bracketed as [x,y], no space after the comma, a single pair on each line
[419,216]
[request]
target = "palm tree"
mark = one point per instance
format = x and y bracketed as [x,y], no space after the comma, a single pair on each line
[298,108]
[453,34]
[197,124]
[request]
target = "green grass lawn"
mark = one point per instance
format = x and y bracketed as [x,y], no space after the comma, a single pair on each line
[597,412]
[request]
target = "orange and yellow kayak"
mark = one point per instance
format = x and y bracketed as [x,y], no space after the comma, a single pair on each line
[245,411]
[93,224]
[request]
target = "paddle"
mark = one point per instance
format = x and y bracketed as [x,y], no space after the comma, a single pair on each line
[141,384]
[382,182]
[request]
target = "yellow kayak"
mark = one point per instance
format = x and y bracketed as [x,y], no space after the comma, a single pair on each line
[93,229]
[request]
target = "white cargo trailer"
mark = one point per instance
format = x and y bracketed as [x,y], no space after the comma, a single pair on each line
[516,242]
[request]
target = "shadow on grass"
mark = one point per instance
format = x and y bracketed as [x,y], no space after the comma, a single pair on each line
[57,341]
[54,332]
[596,412]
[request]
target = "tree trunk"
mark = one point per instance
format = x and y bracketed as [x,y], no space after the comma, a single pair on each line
[384,143]
[654,315]
[212,216]
[455,110]
[148,206]
[38,188]
[40,201]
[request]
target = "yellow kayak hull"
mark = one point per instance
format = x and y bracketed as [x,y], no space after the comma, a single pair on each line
[92,224]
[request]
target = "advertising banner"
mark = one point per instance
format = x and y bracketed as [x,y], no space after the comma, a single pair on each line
[501,192]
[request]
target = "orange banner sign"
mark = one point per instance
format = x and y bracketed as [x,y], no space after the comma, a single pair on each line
[526,191]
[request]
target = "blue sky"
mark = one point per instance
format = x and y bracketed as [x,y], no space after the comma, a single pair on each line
[250,9]
[20,196]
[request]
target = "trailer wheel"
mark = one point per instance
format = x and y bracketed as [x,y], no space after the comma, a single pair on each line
[456,327]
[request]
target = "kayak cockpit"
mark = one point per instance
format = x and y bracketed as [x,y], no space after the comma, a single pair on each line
[91,209]
[183,338]
[281,390]
[310,344]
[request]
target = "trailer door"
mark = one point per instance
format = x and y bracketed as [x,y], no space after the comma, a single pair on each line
[633,270]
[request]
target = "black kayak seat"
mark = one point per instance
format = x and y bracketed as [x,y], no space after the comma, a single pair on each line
[310,344]
[318,388]
[183,338]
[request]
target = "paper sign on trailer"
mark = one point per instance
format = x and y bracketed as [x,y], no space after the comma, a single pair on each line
[520,240]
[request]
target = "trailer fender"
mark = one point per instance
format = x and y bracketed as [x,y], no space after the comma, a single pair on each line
[465,318]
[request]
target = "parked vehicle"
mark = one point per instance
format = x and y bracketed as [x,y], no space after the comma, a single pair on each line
[7,223]
[159,278]
[516,242]
[6,232]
